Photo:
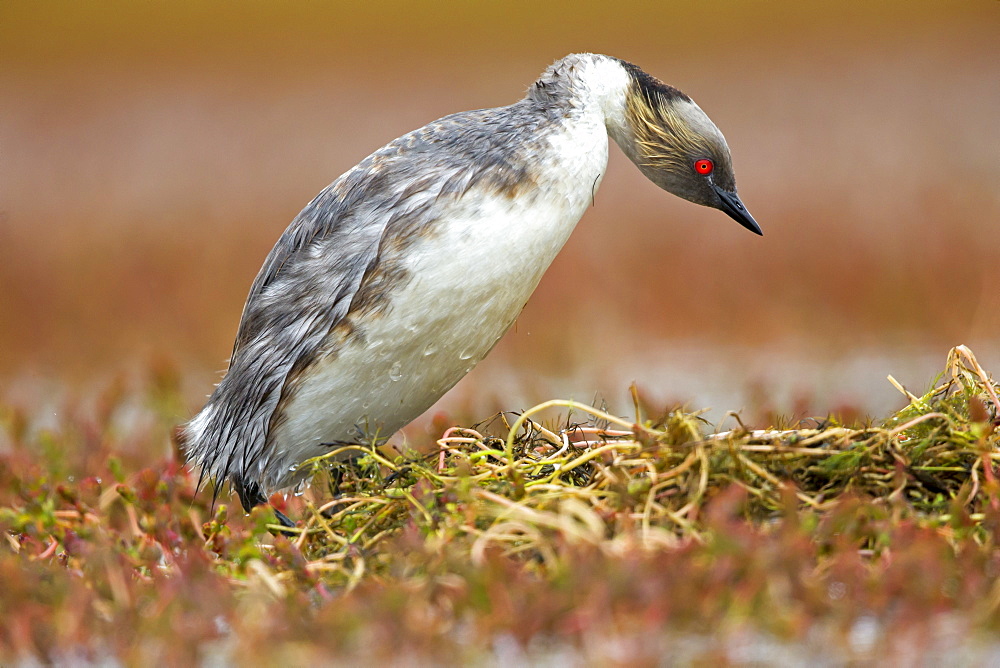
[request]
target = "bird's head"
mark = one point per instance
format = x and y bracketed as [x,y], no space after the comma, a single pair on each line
[678,147]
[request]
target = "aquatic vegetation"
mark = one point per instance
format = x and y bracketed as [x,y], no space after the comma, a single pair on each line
[584,535]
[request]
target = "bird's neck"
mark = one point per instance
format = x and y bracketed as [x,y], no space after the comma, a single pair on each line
[590,85]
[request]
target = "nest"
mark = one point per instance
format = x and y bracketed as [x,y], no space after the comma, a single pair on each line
[647,481]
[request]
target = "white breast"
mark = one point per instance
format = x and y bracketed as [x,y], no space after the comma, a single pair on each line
[469,279]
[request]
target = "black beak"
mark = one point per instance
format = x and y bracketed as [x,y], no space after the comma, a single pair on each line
[732,205]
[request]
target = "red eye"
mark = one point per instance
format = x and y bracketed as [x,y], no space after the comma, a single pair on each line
[703,166]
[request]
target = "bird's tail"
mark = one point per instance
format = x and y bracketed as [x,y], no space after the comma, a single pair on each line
[196,440]
[189,438]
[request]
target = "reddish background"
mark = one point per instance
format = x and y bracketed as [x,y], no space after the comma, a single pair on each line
[151,154]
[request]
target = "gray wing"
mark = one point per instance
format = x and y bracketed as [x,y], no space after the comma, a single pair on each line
[305,288]
[317,272]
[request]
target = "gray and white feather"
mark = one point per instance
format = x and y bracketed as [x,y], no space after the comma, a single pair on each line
[402,274]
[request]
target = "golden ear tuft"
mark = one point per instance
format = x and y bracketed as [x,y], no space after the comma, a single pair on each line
[664,139]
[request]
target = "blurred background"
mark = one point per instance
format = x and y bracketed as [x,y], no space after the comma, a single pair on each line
[151,154]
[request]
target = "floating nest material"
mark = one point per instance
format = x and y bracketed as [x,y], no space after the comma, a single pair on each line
[608,479]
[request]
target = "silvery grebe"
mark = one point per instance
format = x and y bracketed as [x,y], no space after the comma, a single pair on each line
[403,273]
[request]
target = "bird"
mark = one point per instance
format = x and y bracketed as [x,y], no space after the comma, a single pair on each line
[402,274]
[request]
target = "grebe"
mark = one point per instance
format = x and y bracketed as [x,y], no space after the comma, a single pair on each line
[403,273]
